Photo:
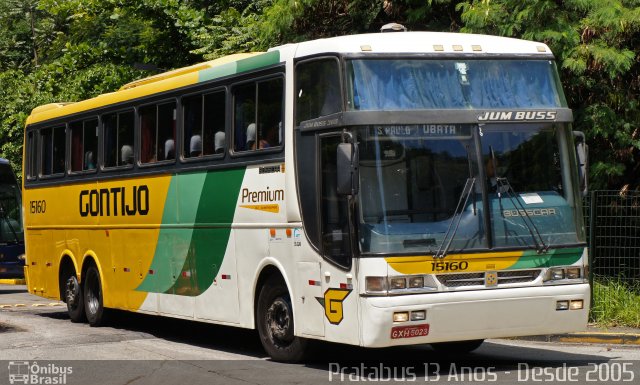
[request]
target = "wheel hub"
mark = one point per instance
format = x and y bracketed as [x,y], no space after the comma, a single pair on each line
[279,320]
[72,291]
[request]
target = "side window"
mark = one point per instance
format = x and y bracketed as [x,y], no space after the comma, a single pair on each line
[118,139]
[336,238]
[52,159]
[244,112]
[158,132]
[258,114]
[317,89]
[204,124]
[32,156]
[84,145]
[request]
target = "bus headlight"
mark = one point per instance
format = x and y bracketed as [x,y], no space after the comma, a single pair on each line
[376,285]
[416,282]
[397,283]
[567,274]
[555,274]
[573,273]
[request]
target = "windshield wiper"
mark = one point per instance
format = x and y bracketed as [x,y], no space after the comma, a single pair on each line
[504,185]
[462,203]
[447,240]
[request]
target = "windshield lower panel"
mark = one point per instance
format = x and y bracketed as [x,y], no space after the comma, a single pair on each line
[529,189]
[413,178]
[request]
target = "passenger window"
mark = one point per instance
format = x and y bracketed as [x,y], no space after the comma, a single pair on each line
[84,145]
[53,150]
[158,132]
[118,139]
[32,156]
[258,125]
[317,89]
[204,124]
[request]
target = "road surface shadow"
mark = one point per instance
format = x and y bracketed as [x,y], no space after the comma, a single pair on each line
[322,354]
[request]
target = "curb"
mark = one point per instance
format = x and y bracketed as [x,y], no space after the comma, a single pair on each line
[13,281]
[588,338]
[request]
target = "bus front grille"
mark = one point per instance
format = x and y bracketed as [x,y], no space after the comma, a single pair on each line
[478,279]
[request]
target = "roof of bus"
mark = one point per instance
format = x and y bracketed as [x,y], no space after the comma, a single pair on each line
[399,42]
[421,42]
[155,84]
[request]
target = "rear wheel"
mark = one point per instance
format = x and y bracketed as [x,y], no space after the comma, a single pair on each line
[93,304]
[74,299]
[457,346]
[276,324]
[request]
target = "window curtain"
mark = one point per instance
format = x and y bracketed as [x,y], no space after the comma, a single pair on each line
[424,84]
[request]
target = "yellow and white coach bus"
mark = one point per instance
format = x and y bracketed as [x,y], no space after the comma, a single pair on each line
[375,190]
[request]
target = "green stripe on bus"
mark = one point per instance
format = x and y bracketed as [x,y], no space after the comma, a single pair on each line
[187,260]
[210,238]
[217,72]
[181,206]
[555,257]
[259,61]
[243,65]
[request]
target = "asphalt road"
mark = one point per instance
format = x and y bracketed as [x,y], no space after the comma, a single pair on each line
[37,339]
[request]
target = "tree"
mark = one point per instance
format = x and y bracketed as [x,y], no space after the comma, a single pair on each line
[595,44]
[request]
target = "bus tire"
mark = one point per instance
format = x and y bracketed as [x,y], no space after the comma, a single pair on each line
[74,298]
[93,303]
[276,325]
[458,347]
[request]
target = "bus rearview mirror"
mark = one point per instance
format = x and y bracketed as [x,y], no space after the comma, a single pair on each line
[582,155]
[347,169]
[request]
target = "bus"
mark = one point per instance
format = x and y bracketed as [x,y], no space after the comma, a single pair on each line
[375,190]
[11,233]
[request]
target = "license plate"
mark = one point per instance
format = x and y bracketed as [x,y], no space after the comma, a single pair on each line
[409,331]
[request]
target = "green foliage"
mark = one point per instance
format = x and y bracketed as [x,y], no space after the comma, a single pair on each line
[615,303]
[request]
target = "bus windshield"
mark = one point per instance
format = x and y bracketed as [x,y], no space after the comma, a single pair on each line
[10,207]
[413,177]
[413,84]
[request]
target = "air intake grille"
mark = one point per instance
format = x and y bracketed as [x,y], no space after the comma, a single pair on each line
[478,279]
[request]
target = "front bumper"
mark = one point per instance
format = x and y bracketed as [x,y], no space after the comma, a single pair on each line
[481,314]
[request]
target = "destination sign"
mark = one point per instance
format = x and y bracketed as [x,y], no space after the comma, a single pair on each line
[422,131]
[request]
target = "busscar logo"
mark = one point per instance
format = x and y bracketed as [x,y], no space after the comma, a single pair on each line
[509,116]
[332,303]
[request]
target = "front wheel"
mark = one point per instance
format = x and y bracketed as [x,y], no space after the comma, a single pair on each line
[458,347]
[276,325]
[74,299]
[93,303]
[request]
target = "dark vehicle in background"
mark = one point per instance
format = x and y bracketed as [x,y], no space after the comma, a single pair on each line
[11,230]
